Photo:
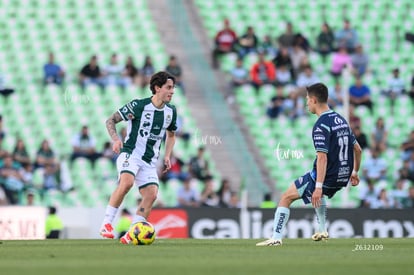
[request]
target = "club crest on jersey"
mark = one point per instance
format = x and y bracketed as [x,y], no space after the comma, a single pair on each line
[130,116]
[168,119]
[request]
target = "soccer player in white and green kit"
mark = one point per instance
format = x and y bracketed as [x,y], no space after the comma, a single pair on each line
[148,120]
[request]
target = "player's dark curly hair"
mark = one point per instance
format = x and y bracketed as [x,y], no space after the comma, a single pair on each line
[318,90]
[159,79]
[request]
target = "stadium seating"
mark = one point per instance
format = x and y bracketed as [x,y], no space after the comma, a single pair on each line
[380,30]
[74,30]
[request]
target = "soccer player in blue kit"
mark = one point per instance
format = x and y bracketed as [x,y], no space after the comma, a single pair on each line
[338,158]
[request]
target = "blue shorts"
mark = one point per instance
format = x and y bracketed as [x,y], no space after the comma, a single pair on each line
[306,185]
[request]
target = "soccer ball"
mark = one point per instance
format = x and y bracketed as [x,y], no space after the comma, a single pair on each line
[142,233]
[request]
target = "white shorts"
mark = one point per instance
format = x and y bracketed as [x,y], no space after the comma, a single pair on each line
[144,173]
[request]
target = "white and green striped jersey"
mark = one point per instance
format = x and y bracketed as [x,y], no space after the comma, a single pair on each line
[146,128]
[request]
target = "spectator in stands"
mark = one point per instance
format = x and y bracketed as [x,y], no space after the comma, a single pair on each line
[54,224]
[287,38]
[405,173]
[283,59]
[396,87]
[174,68]
[360,61]
[108,153]
[268,202]
[225,42]
[198,165]
[188,195]
[400,194]
[53,73]
[267,46]
[341,60]
[382,201]
[361,137]
[239,75]
[20,154]
[248,42]
[11,179]
[379,137]
[306,78]
[302,41]
[407,147]
[91,74]
[84,146]
[354,120]
[375,167]
[280,104]
[147,71]
[360,94]
[347,37]
[131,71]
[181,132]
[368,195]
[177,170]
[45,156]
[224,193]
[114,73]
[5,89]
[325,41]
[208,196]
[283,76]
[297,55]
[234,200]
[336,94]
[262,72]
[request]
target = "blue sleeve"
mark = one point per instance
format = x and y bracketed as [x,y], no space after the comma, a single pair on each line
[321,136]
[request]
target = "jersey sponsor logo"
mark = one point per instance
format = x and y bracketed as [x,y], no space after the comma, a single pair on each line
[147,116]
[154,137]
[146,124]
[170,223]
[338,120]
[318,130]
[320,143]
[339,127]
[143,133]
[318,137]
[344,171]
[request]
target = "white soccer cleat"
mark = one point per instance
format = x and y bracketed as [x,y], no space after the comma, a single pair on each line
[270,242]
[107,231]
[126,239]
[324,236]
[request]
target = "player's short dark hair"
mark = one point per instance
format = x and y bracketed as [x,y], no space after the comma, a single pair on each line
[159,79]
[319,91]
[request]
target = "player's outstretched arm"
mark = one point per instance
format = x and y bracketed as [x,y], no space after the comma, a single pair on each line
[110,126]
[357,164]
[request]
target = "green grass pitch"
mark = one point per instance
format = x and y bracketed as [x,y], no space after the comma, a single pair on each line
[212,257]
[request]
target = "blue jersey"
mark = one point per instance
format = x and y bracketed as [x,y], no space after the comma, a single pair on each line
[332,135]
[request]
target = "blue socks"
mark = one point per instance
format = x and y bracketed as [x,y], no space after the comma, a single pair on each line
[321,215]
[279,223]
